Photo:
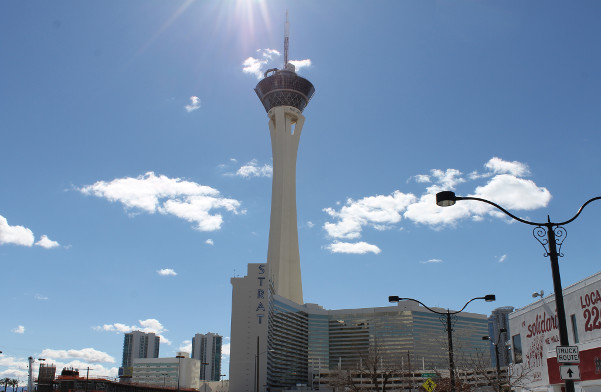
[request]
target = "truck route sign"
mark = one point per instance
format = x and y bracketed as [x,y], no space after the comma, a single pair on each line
[567,354]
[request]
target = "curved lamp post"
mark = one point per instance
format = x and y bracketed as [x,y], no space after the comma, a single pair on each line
[555,235]
[501,330]
[447,319]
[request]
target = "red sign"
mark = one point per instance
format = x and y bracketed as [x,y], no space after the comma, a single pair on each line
[590,366]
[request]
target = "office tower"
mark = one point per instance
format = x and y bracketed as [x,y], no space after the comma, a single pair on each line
[138,344]
[207,349]
[498,319]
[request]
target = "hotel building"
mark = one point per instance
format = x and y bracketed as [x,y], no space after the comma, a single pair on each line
[277,341]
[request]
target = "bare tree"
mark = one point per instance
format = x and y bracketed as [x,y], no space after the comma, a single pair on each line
[373,372]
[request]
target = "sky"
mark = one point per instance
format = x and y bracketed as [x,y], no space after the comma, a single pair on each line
[135,160]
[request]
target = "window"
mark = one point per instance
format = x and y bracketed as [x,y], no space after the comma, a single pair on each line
[517,348]
[574,328]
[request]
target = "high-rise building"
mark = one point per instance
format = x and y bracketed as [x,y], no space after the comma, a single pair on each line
[277,341]
[207,349]
[499,319]
[138,344]
[284,95]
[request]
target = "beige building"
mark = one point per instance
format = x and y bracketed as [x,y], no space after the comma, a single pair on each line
[180,371]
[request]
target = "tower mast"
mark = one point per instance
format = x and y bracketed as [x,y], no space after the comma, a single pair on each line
[284,96]
[286,38]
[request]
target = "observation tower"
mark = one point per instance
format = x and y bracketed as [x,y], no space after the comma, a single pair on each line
[284,95]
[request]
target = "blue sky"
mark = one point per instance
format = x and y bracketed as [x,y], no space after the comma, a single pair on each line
[135,159]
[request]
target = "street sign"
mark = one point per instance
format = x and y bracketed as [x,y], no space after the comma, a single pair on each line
[429,385]
[428,375]
[567,354]
[569,372]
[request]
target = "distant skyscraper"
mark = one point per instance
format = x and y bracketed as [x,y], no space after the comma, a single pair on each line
[498,319]
[138,344]
[207,349]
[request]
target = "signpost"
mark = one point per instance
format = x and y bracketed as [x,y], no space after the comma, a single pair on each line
[429,385]
[567,354]
[569,372]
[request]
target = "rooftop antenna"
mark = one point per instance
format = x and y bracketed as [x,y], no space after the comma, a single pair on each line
[286,37]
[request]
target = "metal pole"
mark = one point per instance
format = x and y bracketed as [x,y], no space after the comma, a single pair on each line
[561,313]
[257,367]
[498,366]
[179,365]
[451,361]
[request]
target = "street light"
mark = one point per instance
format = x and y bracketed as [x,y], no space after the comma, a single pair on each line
[257,367]
[179,365]
[555,233]
[501,330]
[446,319]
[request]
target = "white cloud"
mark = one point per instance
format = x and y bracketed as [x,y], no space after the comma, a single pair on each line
[17,367]
[225,349]
[166,272]
[359,248]
[502,185]
[310,224]
[373,211]
[502,258]
[194,104]
[86,354]
[252,169]
[209,242]
[499,166]
[514,193]
[186,346]
[47,243]
[17,235]
[41,297]
[431,261]
[20,330]
[422,178]
[299,64]
[184,199]
[258,66]
[267,59]
[447,179]
[148,325]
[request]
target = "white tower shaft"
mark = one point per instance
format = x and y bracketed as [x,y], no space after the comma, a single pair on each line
[285,126]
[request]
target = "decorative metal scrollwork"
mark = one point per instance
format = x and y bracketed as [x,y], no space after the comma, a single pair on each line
[541,235]
[443,320]
[560,235]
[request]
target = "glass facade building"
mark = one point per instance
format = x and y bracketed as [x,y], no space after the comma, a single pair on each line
[305,341]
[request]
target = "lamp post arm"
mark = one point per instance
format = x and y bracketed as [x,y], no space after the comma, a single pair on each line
[579,211]
[422,304]
[465,306]
[504,210]
[523,220]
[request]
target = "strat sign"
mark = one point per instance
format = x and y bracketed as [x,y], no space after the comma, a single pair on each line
[567,354]
[261,293]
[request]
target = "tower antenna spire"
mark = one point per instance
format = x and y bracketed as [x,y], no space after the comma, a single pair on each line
[286,37]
